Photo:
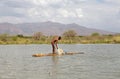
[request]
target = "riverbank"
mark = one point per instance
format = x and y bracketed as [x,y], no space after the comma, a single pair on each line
[107,39]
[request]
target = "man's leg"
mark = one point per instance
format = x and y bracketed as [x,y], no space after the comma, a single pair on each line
[53,48]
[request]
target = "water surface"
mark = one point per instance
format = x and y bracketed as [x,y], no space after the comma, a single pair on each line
[99,61]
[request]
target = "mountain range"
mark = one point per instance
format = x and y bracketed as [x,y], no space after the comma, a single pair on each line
[47,28]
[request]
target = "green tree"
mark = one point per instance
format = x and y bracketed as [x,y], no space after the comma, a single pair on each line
[95,34]
[69,36]
[70,33]
[20,35]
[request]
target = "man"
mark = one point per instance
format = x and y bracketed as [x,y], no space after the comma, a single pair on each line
[54,43]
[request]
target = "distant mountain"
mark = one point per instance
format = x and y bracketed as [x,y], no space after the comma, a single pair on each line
[47,28]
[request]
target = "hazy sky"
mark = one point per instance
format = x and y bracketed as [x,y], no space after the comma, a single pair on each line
[100,14]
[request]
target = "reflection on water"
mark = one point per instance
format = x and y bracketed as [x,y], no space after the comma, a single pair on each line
[54,69]
[55,59]
[99,62]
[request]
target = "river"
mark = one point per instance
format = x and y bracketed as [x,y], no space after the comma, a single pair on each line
[99,61]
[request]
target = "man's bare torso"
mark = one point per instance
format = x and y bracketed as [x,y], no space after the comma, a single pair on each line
[55,39]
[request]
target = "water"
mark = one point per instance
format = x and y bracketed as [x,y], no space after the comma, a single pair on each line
[99,61]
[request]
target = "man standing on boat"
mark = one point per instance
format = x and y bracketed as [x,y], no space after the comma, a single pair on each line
[54,43]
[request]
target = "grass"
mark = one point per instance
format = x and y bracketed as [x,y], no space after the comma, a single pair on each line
[107,39]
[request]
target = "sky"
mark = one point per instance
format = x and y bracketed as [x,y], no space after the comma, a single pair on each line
[99,14]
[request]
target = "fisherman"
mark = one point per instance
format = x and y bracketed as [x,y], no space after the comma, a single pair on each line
[54,43]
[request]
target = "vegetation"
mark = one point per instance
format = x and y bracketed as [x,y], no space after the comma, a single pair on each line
[68,37]
[70,33]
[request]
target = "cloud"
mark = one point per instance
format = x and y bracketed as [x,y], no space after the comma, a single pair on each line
[14,8]
[16,3]
[113,1]
[102,14]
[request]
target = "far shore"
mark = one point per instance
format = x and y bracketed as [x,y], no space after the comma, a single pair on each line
[100,39]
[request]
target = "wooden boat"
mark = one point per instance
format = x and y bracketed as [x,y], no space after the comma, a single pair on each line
[51,54]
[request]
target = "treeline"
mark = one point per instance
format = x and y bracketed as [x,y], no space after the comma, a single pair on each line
[68,37]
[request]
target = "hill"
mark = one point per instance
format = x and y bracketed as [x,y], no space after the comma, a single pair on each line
[47,28]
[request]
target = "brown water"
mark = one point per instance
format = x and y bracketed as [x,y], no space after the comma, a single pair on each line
[99,61]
